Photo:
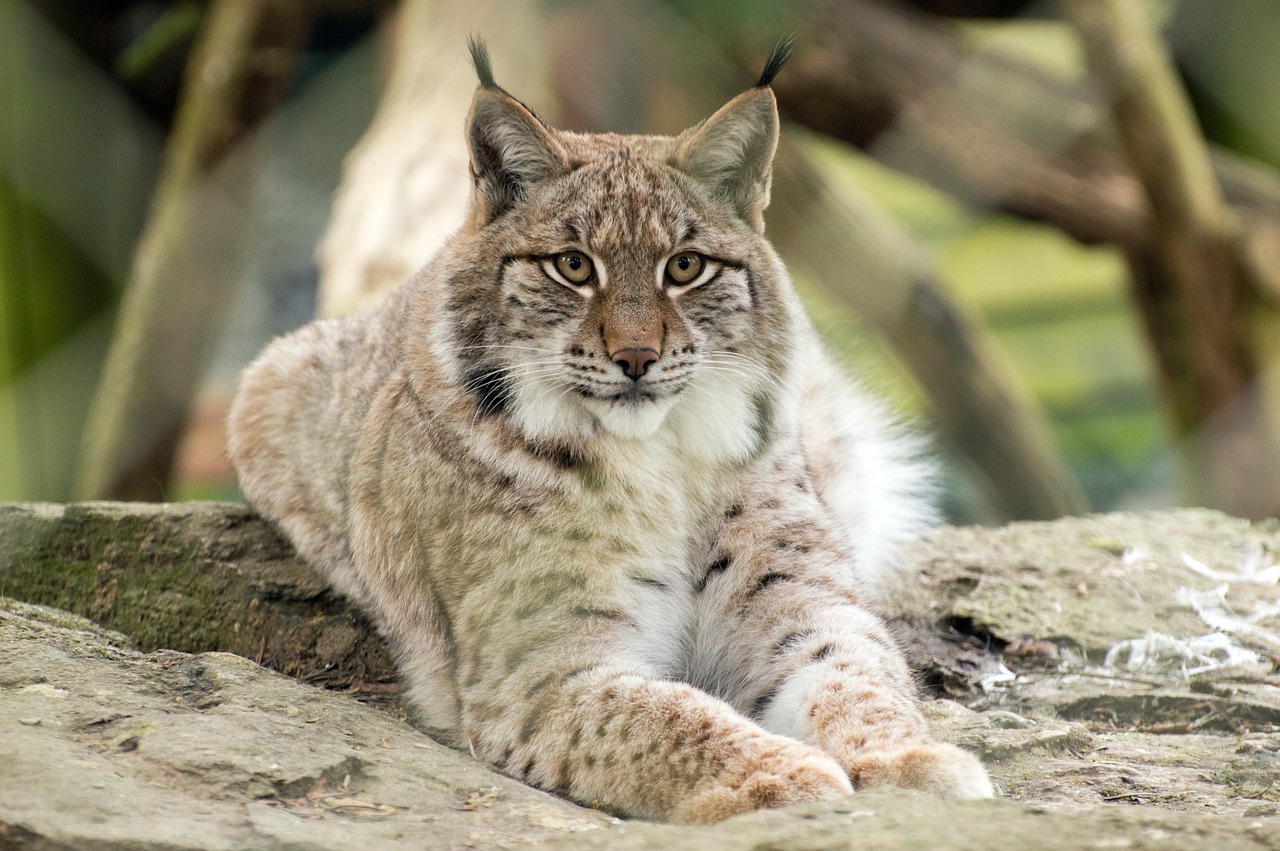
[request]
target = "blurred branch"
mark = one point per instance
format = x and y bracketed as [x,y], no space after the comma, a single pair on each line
[979,407]
[189,258]
[1196,286]
[982,125]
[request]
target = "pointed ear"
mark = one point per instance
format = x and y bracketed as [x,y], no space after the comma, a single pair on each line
[511,149]
[732,152]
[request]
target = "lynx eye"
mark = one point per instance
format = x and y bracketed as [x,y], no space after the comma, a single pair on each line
[574,267]
[685,267]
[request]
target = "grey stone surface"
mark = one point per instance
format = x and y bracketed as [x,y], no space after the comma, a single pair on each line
[105,747]
[1117,674]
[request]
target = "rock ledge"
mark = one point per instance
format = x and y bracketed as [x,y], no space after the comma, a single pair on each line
[1120,666]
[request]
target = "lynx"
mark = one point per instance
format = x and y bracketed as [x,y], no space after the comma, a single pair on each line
[596,481]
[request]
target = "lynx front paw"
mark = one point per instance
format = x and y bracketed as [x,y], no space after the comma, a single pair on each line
[944,770]
[781,774]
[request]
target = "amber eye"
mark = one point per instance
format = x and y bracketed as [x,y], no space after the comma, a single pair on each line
[574,266]
[685,267]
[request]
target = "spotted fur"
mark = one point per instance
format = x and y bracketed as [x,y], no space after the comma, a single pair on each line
[649,593]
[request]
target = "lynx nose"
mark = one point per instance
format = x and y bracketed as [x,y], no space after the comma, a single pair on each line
[635,362]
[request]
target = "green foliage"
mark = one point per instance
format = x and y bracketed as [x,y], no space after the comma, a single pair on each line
[47,288]
[1225,50]
[172,29]
[52,334]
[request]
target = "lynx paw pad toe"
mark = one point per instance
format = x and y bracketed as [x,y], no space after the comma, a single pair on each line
[772,783]
[944,770]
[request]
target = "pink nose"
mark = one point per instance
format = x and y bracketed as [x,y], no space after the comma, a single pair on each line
[635,362]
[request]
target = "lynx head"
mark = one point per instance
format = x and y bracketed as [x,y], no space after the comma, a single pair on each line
[618,285]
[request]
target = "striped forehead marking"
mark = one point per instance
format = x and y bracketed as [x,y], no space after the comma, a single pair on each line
[631,205]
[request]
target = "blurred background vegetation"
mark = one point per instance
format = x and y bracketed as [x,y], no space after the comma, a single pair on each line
[1066,264]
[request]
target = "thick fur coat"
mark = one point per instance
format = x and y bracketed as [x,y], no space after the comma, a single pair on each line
[597,482]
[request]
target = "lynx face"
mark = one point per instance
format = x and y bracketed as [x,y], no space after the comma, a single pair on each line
[628,284]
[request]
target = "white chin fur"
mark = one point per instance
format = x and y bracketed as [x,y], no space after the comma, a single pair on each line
[713,420]
[632,420]
[716,420]
[544,409]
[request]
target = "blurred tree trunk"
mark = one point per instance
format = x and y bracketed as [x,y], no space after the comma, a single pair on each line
[1196,285]
[190,256]
[405,184]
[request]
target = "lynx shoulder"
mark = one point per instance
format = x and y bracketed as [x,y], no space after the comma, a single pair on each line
[597,483]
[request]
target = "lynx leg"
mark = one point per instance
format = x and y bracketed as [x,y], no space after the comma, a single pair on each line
[849,692]
[643,747]
[785,637]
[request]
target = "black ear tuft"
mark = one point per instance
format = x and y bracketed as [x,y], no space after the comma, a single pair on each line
[781,53]
[480,59]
